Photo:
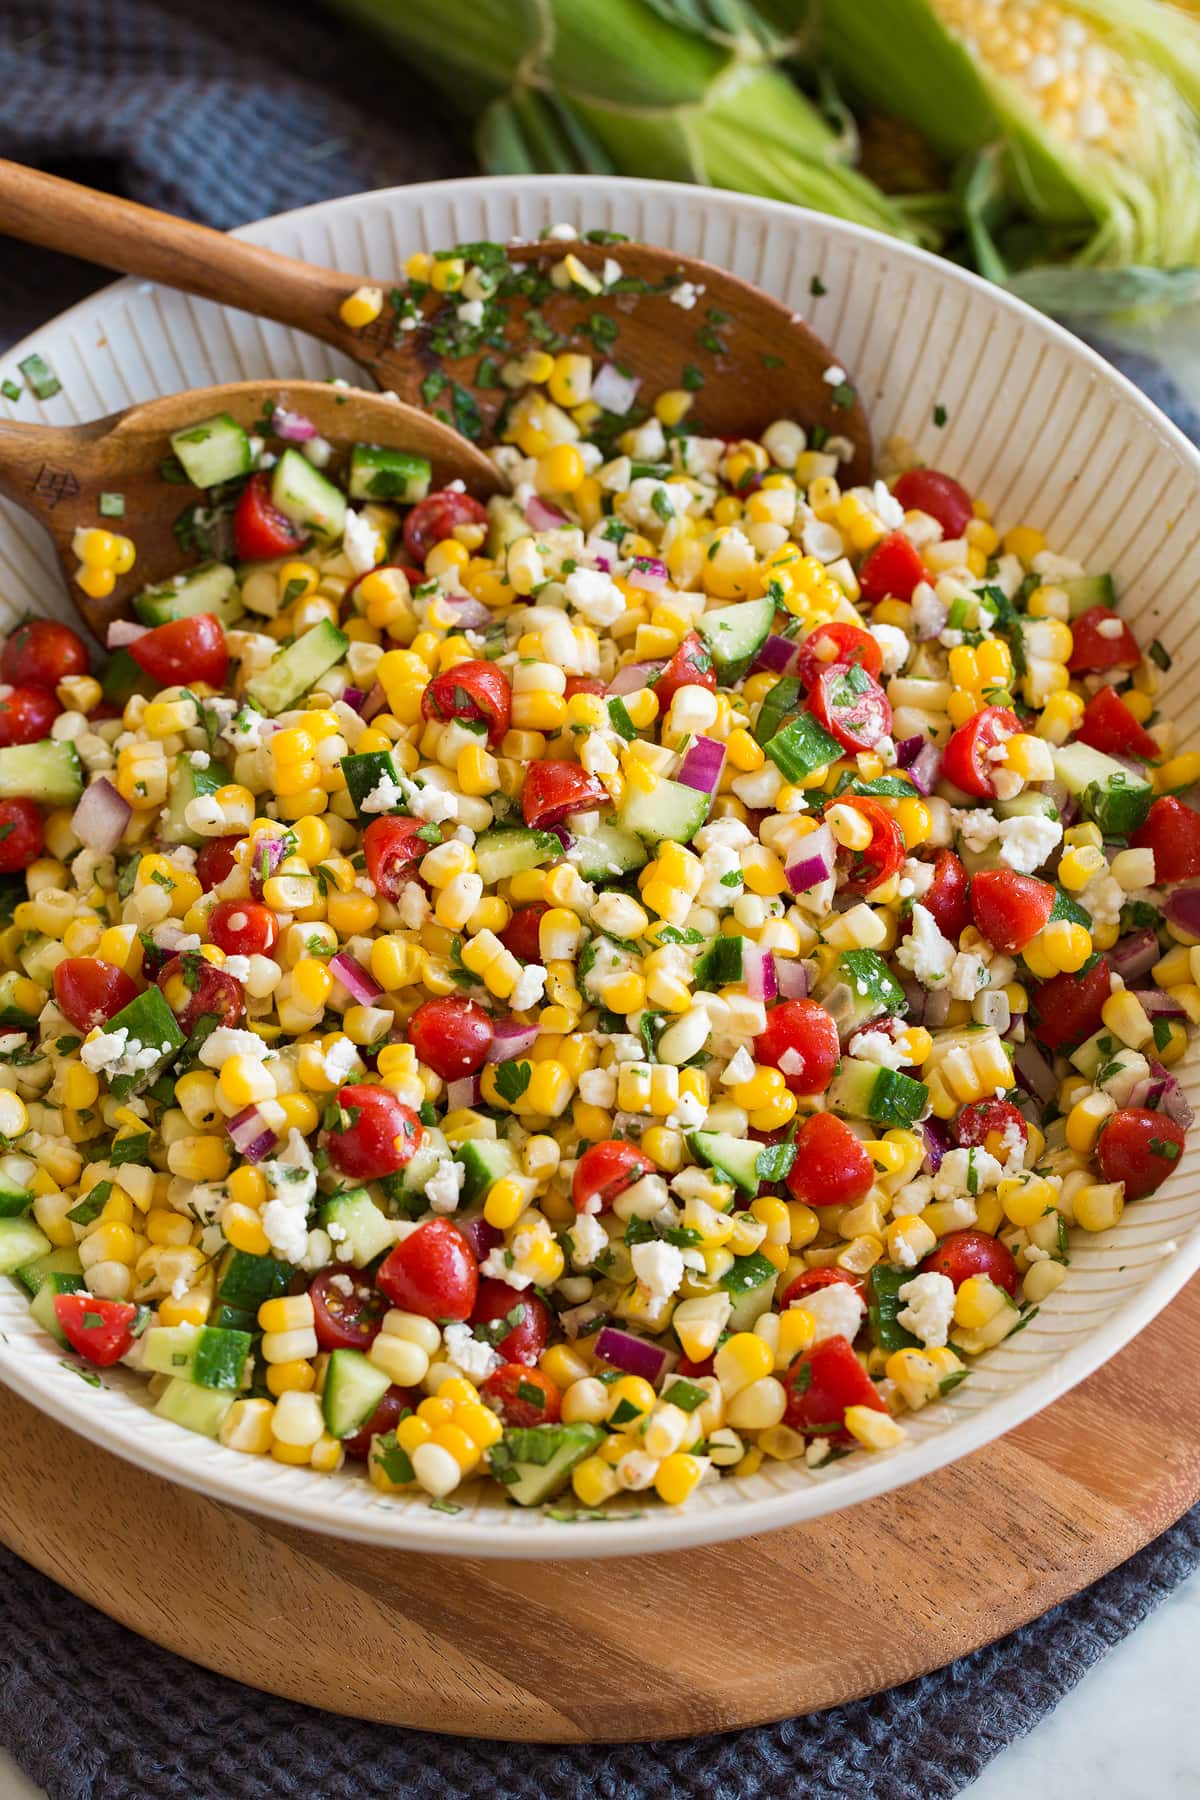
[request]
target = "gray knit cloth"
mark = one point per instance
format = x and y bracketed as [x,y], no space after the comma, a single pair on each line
[226,110]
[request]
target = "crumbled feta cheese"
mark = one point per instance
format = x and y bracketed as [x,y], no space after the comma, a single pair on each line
[247,729]
[918,876]
[837,1310]
[385,797]
[877,1047]
[433,804]
[531,985]
[969,974]
[114,1053]
[965,1172]
[595,594]
[928,612]
[199,759]
[444,1187]
[690,1112]
[292,1185]
[686,294]
[227,1041]
[925,952]
[237,966]
[658,1266]
[1025,842]
[893,645]
[588,1239]
[729,832]
[339,1059]
[835,375]
[360,541]
[598,1087]
[929,1313]
[475,1358]
[413,906]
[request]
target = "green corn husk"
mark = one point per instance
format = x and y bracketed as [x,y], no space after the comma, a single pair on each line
[682,90]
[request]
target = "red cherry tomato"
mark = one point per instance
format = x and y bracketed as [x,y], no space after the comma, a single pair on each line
[191,987]
[27,715]
[393,849]
[345,1321]
[215,860]
[946,897]
[966,1253]
[437,518]
[837,643]
[553,790]
[522,1396]
[1093,647]
[967,761]
[471,690]
[1172,831]
[1067,1008]
[812,1279]
[605,1170]
[1109,725]
[891,570]
[185,650]
[860,871]
[1010,909]
[397,1400]
[831,1168]
[453,1035]
[1140,1148]
[260,530]
[692,1370]
[520,935]
[41,653]
[851,705]
[802,1040]
[89,990]
[382,1134]
[821,1384]
[432,1272]
[243,928]
[531,1332]
[21,834]
[943,498]
[985,1119]
[691,666]
[99,1330]
[583,684]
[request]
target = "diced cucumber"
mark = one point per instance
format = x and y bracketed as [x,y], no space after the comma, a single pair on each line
[303,495]
[294,672]
[506,523]
[750,1283]
[213,451]
[49,771]
[506,851]
[721,963]
[234,1318]
[187,784]
[209,1355]
[40,957]
[377,473]
[149,1022]
[884,1305]
[363,775]
[246,1280]
[484,1161]
[608,853]
[195,1408]
[533,1464]
[866,989]
[1086,591]
[1119,806]
[670,811]
[1066,908]
[31,1275]
[212,588]
[801,747]
[787,696]
[734,1158]
[1029,805]
[1078,766]
[406,1189]
[42,1304]
[864,1090]
[21,1242]
[353,1389]
[12,1012]
[15,1200]
[735,635]
[361,1230]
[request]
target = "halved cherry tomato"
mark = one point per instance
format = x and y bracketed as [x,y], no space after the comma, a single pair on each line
[89,990]
[26,714]
[946,897]
[813,1279]
[583,684]
[520,935]
[522,1396]
[185,650]
[22,834]
[341,1320]
[851,705]
[837,643]
[260,530]
[605,1170]
[471,690]
[1010,909]
[821,1383]
[966,1253]
[985,1119]
[801,1040]
[432,1272]
[452,1034]
[530,1332]
[381,1134]
[967,760]
[41,653]
[1140,1148]
[436,518]
[191,987]
[832,1168]
[384,1419]
[1172,831]
[860,871]
[1093,647]
[553,790]
[243,928]
[215,860]
[943,498]
[1108,725]
[891,570]
[691,666]
[393,847]
[1067,1008]
[99,1330]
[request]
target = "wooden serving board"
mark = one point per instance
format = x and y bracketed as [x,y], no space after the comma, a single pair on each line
[637,1647]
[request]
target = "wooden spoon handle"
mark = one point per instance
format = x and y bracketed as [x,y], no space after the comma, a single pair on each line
[118,234]
[41,466]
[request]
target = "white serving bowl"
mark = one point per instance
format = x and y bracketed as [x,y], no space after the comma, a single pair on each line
[1034,422]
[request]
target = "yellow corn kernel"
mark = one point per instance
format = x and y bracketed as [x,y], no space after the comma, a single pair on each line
[361,308]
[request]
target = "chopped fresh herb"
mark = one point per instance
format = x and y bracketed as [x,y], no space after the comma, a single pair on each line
[393,1459]
[624,1414]
[816,287]
[133,1148]
[10,390]
[948,1383]
[603,329]
[662,505]
[940,415]
[90,1208]
[1162,1032]
[709,340]
[432,386]
[693,378]
[687,1395]
[1162,657]
[1166,1148]
[40,378]
[512,1079]
[444,1506]
[843,394]
[88,1375]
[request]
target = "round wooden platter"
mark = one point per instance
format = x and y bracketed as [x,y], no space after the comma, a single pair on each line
[637,1647]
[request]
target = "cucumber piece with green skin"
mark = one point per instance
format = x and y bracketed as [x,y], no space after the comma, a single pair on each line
[234,1318]
[801,747]
[1078,766]
[534,1464]
[42,1304]
[209,1355]
[720,964]
[484,1161]
[787,696]
[506,523]
[199,1409]
[15,1200]
[363,775]
[66,1261]
[303,495]
[21,1242]
[1085,591]
[1066,908]
[670,811]
[736,1159]
[247,1280]
[868,990]
[751,1284]
[149,1021]
[294,672]
[884,1306]
[1119,806]
[377,473]
[1026,806]
[213,451]
[187,784]
[11,1011]
[735,635]
[864,1090]
[40,957]
[608,854]
[406,1188]
[507,850]
[211,588]
[362,1232]
[353,1389]
[49,771]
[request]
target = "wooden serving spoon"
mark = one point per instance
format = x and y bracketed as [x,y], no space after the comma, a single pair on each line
[58,473]
[748,358]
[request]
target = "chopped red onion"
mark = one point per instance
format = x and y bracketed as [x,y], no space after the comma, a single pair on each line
[251,1136]
[374,703]
[470,614]
[1035,1073]
[1133,955]
[702,763]
[101,816]
[274,850]
[1157,1004]
[562,834]
[481,1236]
[791,977]
[293,427]
[937,1142]
[812,860]
[1182,908]
[354,696]
[1147,1094]
[633,1354]
[759,973]
[510,1039]
[542,516]
[354,978]
[937,1007]
[613,391]
[634,676]
[907,748]
[1174,1101]
[463,1093]
[576,1319]
[776,657]
[916,997]
[648,573]
[925,768]
[124,631]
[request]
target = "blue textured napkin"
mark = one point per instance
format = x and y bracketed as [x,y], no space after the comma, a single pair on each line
[226,110]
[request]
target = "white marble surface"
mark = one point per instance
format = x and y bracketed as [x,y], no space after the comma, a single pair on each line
[1124,1732]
